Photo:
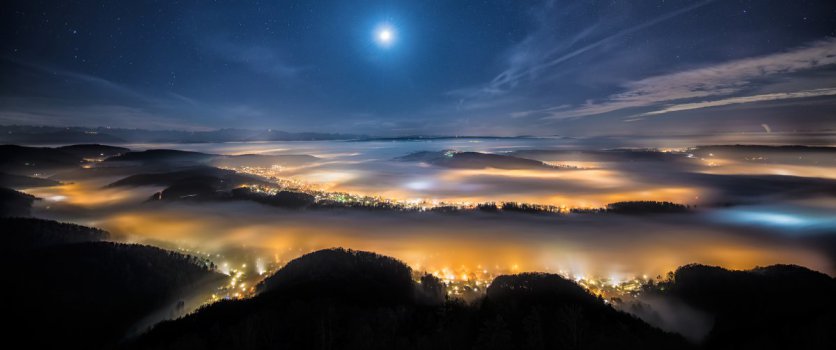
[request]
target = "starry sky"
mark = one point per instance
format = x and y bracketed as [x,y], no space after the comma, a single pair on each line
[501,67]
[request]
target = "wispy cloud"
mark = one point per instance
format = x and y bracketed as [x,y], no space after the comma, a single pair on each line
[744,99]
[723,79]
[91,80]
[103,102]
[260,59]
[522,65]
[537,55]
[539,62]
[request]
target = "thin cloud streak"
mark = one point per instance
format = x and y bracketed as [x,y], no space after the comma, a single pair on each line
[718,80]
[744,99]
[512,75]
[138,110]
[92,80]
[259,59]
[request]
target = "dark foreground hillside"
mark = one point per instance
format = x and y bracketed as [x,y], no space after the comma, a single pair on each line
[15,204]
[342,299]
[774,307]
[67,289]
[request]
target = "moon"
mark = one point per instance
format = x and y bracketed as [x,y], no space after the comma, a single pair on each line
[385,35]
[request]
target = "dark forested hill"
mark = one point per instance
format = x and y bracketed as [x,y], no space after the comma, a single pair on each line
[21,181]
[93,150]
[22,160]
[23,234]
[68,290]
[473,160]
[547,311]
[342,299]
[344,274]
[225,179]
[775,307]
[177,157]
[162,156]
[14,203]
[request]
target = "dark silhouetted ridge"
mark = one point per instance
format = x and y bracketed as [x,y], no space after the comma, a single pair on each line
[196,183]
[93,150]
[547,311]
[774,307]
[22,160]
[645,207]
[344,274]
[21,181]
[29,233]
[162,156]
[473,160]
[14,203]
[81,293]
[343,299]
[226,179]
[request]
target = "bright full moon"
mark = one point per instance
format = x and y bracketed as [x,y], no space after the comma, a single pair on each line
[385,36]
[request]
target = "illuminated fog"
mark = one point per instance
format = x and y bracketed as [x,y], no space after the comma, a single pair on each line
[608,246]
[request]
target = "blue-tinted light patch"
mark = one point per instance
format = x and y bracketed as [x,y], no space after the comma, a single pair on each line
[791,220]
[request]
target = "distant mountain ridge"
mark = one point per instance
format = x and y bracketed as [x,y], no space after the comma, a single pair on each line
[19,134]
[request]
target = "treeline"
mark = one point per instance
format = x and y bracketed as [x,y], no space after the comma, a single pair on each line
[643,207]
[636,208]
[301,200]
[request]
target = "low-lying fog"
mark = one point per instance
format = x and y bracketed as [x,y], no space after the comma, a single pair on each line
[781,219]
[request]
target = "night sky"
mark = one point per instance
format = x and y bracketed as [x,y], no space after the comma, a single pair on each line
[422,67]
